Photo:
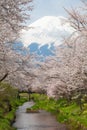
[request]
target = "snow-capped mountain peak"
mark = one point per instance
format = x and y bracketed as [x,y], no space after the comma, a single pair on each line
[46,30]
[48,21]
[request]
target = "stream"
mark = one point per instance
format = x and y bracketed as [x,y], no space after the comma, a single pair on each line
[36,121]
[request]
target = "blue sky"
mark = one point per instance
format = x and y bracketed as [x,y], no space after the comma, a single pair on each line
[51,8]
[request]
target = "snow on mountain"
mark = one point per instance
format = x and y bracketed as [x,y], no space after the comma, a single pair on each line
[46,30]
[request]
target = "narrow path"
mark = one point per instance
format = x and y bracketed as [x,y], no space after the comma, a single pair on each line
[36,121]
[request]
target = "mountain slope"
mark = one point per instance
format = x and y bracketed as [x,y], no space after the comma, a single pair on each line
[46,30]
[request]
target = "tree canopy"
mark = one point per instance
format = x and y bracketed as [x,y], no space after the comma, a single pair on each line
[13,13]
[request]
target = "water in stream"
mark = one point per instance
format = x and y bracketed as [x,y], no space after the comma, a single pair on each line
[36,121]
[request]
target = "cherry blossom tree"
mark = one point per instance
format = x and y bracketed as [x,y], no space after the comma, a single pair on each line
[66,73]
[13,15]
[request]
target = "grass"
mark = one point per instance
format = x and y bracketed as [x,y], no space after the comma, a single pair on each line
[8,105]
[69,113]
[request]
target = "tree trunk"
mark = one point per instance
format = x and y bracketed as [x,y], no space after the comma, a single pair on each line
[3,77]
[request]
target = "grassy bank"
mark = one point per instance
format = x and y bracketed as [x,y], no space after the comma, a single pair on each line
[69,113]
[8,104]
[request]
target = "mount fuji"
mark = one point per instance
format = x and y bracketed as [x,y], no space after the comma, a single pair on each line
[45,34]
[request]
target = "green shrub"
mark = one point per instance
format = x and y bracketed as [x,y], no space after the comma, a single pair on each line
[65,112]
[8,105]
